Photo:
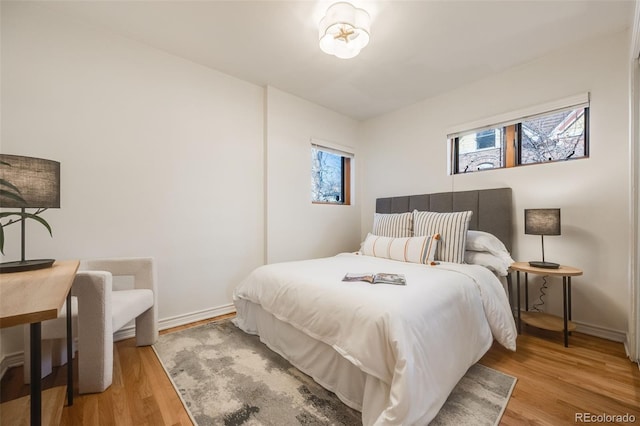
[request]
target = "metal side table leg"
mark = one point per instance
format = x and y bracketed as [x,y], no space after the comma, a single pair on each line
[69,352]
[518,297]
[526,291]
[510,291]
[569,297]
[565,313]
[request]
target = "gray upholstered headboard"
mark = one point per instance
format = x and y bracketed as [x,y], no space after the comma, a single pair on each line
[492,208]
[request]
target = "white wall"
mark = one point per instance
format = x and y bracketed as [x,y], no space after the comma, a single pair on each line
[296,228]
[159,156]
[211,175]
[405,152]
[163,157]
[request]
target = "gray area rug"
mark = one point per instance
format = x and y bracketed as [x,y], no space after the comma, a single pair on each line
[227,377]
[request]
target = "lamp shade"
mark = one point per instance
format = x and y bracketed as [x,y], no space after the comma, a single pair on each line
[542,221]
[35,181]
[344,30]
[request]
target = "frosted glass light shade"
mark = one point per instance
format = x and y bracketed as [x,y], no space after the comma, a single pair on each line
[344,30]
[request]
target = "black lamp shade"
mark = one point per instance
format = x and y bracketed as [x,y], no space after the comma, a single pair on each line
[37,179]
[27,182]
[542,221]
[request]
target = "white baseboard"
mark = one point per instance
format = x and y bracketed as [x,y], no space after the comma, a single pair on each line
[163,324]
[16,359]
[627,350]
[593,330]
[597,331]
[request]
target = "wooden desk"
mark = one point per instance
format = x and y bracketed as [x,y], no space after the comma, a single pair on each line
[31,297]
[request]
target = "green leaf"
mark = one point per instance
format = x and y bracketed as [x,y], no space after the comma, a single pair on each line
[7,214]
[28,216]
[42,221]
[11,195]
[10,185]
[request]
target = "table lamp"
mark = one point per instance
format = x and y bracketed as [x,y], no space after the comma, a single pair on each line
[27,182]
[542,222]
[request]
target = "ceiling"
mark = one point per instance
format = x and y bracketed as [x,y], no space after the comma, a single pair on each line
[418,49]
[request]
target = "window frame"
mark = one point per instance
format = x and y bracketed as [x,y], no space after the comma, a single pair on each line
[511,126]
[586,138]
[346,172]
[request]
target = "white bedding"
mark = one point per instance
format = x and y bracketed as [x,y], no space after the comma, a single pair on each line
[418,340]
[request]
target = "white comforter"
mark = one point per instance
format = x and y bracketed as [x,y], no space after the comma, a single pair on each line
[419,339]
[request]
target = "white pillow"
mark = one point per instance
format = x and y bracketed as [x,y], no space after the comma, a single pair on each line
[452,228]
[393,224]
[484,241]
[497,264]
[406,249]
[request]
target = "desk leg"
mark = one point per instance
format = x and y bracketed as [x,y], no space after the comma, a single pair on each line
[518,297]
[69,352]
[565,306]
[35,335]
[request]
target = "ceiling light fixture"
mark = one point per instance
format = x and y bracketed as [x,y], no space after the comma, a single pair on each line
[344,30]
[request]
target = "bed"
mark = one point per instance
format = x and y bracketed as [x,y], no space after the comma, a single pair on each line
[392,352]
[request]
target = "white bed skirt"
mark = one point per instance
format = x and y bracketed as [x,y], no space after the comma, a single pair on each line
[316,359]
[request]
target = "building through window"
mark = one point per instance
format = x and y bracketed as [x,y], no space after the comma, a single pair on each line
[555,136]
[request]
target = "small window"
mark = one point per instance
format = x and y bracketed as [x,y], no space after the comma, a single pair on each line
[556,136]
[330,176]
[480,150]
[487,138]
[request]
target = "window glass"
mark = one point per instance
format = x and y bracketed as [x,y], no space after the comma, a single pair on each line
[329,176]
[553,137]
[480,150]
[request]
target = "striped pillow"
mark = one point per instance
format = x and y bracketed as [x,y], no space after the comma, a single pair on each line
[452,228]
[393,224]
[406,249]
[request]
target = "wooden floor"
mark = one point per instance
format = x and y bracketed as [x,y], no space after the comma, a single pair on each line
[554,384]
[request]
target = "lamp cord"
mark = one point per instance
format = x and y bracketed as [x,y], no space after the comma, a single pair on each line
[536,306]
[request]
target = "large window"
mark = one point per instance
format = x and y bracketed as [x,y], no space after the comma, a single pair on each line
[330,175]
[554,136]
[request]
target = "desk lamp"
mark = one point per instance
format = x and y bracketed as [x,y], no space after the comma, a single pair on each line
[542,222]
[27,182]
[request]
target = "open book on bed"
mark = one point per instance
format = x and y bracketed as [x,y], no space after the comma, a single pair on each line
[381,278]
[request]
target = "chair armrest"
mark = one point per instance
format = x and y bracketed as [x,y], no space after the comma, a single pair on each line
[95,330]
[144,277]
[93,290]
[141,268]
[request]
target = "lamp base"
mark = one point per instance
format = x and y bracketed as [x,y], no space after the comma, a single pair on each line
[543,264]
[25,265]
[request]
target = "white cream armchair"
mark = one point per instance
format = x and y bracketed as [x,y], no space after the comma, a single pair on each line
[99,312]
